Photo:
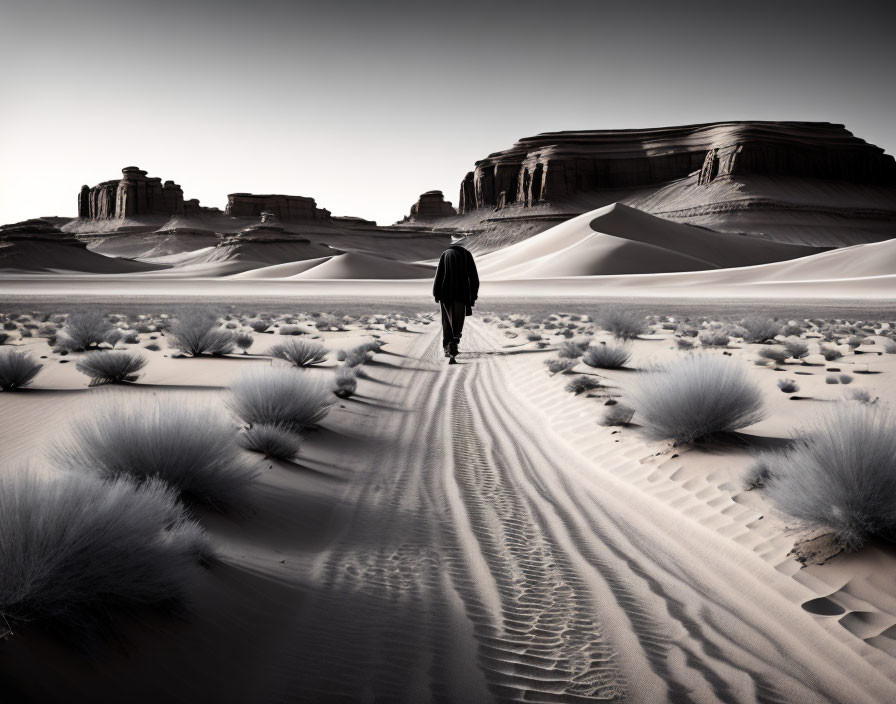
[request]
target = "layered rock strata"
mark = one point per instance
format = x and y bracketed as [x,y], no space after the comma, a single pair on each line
[556,166]
[431,206]
[286,208]
[134,194]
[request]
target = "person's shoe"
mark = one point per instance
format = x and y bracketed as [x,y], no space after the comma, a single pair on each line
[447,351]
[452,360]
[452,348]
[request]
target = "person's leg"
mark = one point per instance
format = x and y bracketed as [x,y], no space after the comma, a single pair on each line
[457,313]
[457,320]
[447,333]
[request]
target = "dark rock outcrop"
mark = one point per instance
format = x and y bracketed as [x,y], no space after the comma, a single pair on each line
[133,195]
[286,208]
[556,166]
[430,206]
[36,228]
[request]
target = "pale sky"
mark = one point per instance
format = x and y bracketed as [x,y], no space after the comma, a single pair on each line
[365,105]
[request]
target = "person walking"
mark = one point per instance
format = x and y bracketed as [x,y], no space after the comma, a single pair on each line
[455,288]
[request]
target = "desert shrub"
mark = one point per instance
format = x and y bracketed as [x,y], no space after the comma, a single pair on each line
[292,330]
[795,347]
[846,378]
[606,356]
[889,346]
[775,353]
[243,340]
[533,337]
[83,330]
[4,336]
[280,396]
[840,474]
[356,356]
[152,347]
[684,343]
[331,322]
[112,367]
[831,379]
[556,366]
[299,353]
[830,353]
[129,337]
[624,323]
[9,325]
[270,441]
[571,350]
[172,438]
[860,395]
[195,331]
[760,329]
[854,341]
[788,386]
[697,397]
[714,338]
[71,546]
[345,384]
[259,325]
[17,369]
[582,384]
[793,328]
[759,472]
[617,414]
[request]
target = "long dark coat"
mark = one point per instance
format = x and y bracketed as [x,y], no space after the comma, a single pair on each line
[456,278]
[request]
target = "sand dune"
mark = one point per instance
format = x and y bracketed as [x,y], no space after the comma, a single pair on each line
[236,257]
[354,265]
[858,261]
[282,271]
[618,239]
[154,244]
[43,256]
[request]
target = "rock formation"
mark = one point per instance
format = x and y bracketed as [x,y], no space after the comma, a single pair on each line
[286,208]
[134,194]
[555,166]
[430,206]
[37,229]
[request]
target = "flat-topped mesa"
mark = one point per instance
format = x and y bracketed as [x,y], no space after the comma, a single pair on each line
[286,208]
[431,206]
[133,195]
[557,165]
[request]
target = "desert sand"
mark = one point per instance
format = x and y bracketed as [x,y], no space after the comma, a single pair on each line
[613,250]
[472,534]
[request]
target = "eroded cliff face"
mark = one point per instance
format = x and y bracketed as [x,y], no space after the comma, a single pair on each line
[556,166]
[286,208]
[430,206]
[134,194]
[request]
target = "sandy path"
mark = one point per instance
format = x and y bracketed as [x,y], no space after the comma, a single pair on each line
[485,560]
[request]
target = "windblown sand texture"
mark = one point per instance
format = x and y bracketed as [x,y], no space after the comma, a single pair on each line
[471,534]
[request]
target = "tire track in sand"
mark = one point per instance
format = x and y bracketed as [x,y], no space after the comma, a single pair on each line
[478,566]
